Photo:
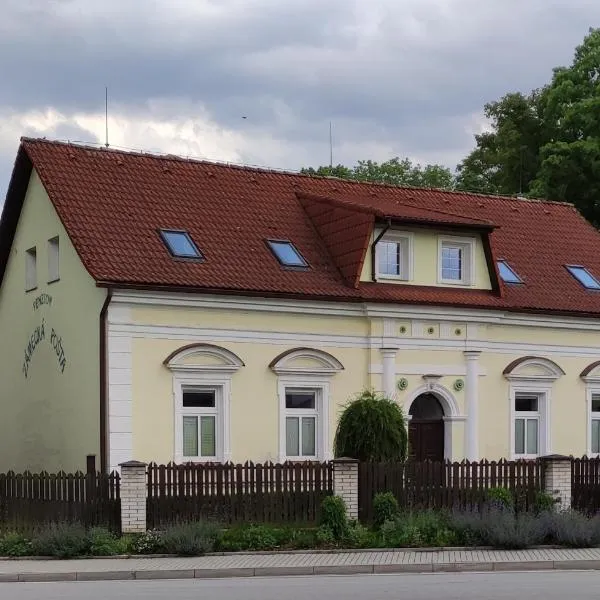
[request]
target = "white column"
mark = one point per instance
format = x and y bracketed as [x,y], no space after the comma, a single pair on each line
[472,398]
[389,371]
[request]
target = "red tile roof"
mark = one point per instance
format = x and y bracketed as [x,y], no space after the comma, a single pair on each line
[112,204]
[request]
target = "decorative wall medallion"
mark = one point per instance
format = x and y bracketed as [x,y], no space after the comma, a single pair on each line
[458,331]
[402,383]
[430,330]
[402,329]
[459,384]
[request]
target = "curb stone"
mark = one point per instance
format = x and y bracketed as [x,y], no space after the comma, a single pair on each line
[500,566]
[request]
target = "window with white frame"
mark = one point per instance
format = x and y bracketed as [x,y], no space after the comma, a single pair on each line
[595,423]
[53,260]
[199,416]
[526,424]
[455,260]
[302,423]
[30,269]
[393,256]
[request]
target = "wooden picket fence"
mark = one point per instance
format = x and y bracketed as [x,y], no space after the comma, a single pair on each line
[447,485]
[237,493]
[585,484]
[29,501]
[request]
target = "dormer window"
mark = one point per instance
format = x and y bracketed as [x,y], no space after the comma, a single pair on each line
[455,260]
[393,256]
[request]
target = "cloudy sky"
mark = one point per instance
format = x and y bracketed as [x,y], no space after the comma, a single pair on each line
[396,77]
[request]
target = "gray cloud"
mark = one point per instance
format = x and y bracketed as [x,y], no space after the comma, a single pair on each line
[395,76]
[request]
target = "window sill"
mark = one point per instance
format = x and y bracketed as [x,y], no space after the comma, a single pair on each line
[455,282]
[32,289]
[391,277]
[50,281]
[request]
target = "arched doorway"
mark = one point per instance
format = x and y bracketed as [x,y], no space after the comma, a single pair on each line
[426,428]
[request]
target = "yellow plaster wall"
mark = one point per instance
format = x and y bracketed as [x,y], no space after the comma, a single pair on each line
[49,419]
[254,403]
[425,260]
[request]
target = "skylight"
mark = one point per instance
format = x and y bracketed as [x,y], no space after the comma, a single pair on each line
[585,278]
[286,253]
[507,273]
[180,244]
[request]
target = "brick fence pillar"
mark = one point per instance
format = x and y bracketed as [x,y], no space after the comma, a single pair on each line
[345,483]
[558,479]
[133,497]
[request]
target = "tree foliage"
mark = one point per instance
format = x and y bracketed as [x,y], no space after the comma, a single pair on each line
[546,143]
[393,172]
[372,428]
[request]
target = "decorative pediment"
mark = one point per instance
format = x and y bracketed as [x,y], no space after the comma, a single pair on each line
[203,357]
[305,361]
[591,374]
[533,368]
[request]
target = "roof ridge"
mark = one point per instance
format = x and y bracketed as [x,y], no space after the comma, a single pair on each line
[99,147]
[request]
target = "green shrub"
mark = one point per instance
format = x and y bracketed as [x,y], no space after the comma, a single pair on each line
[415,529]
[149,542]
[252,537]
[500,497]
[385,508]
[191,539]
[62,540]
[573,529]
[467,529]
[372,428]
[324,537]
[359,536]
[544,502]
[15,544]
[102,542]
[333,516]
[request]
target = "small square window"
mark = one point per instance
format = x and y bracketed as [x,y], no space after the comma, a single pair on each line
[180,244]
[53,260]
[584,277]
[452,263]
[507,273]
[392,256]
[525,403]
[286,253]
[30,269]
[301,400]
[199,399]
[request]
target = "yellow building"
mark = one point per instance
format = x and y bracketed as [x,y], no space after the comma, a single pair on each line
[162,309]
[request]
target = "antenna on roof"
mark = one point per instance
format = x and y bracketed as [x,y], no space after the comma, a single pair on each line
[330,147]
[106,113]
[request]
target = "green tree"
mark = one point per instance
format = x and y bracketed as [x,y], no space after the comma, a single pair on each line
[570,158]
[393,172]
[505,159]
[372,428]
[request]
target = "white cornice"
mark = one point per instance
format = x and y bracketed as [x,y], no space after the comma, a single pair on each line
[134,298]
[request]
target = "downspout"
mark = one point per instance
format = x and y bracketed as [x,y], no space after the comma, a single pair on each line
[373,270]
[103,383]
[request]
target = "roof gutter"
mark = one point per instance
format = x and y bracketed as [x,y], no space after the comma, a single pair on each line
[104,462]
[377,239]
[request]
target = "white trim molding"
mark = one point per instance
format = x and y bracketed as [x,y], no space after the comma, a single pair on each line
[230,362]
[215,376]
[549,370]
[388,378]
[304,381]
[472,402]
[326,364]
[467,246]
[405,241]
[317,377]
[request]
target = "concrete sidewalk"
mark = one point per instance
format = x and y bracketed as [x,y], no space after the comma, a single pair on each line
[298,563]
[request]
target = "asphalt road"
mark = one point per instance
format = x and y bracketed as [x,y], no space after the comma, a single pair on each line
[556,585]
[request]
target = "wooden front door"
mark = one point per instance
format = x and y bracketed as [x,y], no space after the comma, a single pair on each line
[426,440]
